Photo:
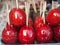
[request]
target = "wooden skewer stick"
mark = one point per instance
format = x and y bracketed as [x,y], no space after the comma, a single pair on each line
[17,4]
[54,4]
[27,7]
[34,6]
[28,10]
[26,13]
[44,9]
[7,9]
[40,8]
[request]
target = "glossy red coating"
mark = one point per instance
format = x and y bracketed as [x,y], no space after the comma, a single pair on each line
[44,34]
[57,33]
[26,35]
[53,17]
[38,22]
[9,34]
[17,17]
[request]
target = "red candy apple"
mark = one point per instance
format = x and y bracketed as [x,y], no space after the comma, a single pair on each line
[9,34]
[26,35]
[57,33]
[17,17]
[38,22]
[44,34]
[53,17]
